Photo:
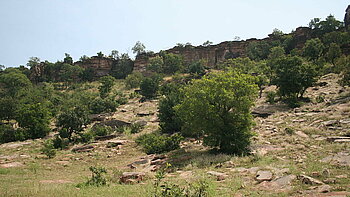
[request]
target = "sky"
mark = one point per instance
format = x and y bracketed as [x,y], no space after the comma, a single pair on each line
[50,28]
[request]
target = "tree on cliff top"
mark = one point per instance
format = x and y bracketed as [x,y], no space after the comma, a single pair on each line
[138,48]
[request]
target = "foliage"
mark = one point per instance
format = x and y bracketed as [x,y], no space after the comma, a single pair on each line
[133,80]
[122,67]
[259,50]
[154,143]
[172,63]
[345,74]
[72,121]
[101,105]
[149,86]
[107,83]
[68,59]
[165,189]
[60,143]
[217,107]
[33,61]
[271,95]
[14,81]
[321,27]
[333,52]
[293,76]
[169,121]
[155,64]
[49,149]
[8,107]
[138,48]
[101,130]
[34,119]
[196,68]
[9,134]
[97,178]
[313,49]
[207,43]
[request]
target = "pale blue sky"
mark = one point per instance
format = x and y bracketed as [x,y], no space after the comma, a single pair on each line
[49,28]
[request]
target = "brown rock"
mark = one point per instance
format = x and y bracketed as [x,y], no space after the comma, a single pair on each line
[132,177]
[309,180]
[11,165]
[263,176]
[86,148]
[219,175]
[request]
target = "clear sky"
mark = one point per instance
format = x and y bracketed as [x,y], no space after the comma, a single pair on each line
[49,28]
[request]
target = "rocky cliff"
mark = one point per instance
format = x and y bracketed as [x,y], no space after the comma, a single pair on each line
[100,65]
[214,54]
[347,17]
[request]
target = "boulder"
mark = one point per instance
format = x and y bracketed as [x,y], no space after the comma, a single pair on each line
[86,148]
[263,176]
[342,159]
[106,137]
[132,177]
[338,139]
[347,17]
[219,175]
[113,123]
[309,180]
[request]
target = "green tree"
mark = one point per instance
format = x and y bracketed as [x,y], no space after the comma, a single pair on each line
[68,59]
[313,49]
[169,121]
[138,48]
[33,61]
[35,119]
[133,80]
[71,121]
[12,81]
[155,64]
[333,52]
[107,83]
[8,107]
[196,68]
[149,86]
[172,63]
[207,43]
[114,54]
[122,67]
[217,107]
[293,76]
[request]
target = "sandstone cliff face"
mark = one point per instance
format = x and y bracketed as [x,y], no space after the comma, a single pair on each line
[100,65]
[347,17]
[216,54]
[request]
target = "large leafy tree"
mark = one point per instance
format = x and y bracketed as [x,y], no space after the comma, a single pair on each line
[138,48]
[12,81]
[172,63]
[71,121]
[35,119]
[122,67]
[313,49]
[217,107]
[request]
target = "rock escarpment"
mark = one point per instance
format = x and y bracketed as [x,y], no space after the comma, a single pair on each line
[101,66]
[215,54]
[347,17]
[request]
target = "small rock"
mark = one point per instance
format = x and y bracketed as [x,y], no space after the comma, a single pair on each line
[85,148]
[219,176]
[263,176]
[343,176]
[309,180]
[11,165]
[323,189]
[330,123]
[330,181]
[132,177]
[301,134]
[63,163]
[338,139]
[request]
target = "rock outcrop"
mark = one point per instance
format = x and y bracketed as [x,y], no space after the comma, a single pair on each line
[347,17]
[215,54]
[101,66]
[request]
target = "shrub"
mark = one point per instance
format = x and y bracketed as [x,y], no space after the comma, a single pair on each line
[149,86]
[133,80]
[60,143]
[49,149]
[99,105]
[97,178]
[107,83]
[7,133]
[169,121]
[101,130]
[271,95]
[157,143]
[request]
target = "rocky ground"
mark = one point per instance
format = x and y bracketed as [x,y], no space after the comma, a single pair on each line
[303,151]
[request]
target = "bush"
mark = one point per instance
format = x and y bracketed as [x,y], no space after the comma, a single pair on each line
[169,121]
[97,179]
[271,95]
[156,143]
[101,130]
[149,86]
[133,80]
[60,143]
[7,133]
[49,149]
[99,105]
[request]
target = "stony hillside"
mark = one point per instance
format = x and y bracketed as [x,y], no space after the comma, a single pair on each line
[303,151]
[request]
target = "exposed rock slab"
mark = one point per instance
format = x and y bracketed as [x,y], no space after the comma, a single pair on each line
[263,176]
[132,177]
[309,180]
[342,159]
[12,165]
[219,175]
[85,148]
